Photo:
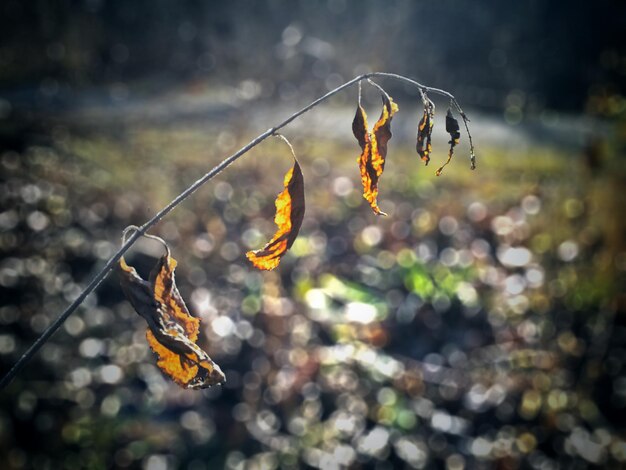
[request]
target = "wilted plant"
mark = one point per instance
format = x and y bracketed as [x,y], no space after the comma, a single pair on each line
[172,330]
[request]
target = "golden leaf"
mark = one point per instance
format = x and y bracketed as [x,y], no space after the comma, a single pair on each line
[288,219]
[374,148]
[172,331]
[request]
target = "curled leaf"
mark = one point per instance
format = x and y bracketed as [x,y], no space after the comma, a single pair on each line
[374,148]
[452,128]
[288,218]
[359,128]
[172,331]
[424,132]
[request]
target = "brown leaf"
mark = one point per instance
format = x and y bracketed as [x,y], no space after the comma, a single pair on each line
[452,128]
[359,127]
[374,149]
[172,331]
[424,132]
[288,218]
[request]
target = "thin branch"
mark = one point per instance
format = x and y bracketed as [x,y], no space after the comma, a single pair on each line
[140,231]
[427,89]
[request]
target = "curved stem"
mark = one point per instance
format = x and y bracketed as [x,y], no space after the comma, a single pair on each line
[376,85]
[140,231]
[286,140]
[147,235]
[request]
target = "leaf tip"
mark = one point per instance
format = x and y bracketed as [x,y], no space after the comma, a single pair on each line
[261,262]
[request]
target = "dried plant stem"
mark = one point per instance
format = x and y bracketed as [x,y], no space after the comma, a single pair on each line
[286,140]
[106,269]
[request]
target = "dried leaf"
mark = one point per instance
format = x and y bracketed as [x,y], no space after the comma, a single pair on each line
[359,127]
[452,128]
[374,148]
[424,132]
[172,331]
[288,218]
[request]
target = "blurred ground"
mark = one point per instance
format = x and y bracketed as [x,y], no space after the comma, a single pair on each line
[480,325]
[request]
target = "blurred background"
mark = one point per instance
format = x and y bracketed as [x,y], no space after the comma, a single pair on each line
[480,325]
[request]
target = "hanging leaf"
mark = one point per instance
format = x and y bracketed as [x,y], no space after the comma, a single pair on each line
[374,148]
[424,132]
[359,128]
[172,331]
[452,128]
[288,218]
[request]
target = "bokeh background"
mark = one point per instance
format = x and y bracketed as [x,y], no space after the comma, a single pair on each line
[480,325]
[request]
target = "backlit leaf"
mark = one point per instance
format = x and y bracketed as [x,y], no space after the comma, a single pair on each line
[172,331]
[288,218]
[424,132]
[374,148]
[452,128]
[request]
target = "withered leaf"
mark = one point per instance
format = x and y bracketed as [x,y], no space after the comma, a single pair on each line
[288,218]
[373,148]
[172,331]
[424,132]
[359,127]
[452,128]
